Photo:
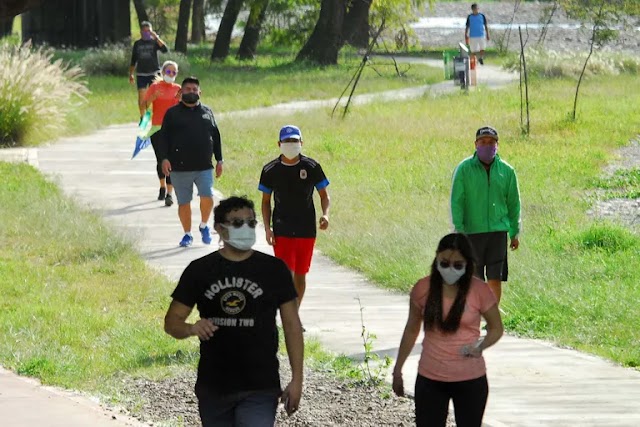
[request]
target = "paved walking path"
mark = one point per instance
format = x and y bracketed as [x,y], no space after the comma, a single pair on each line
[532,383]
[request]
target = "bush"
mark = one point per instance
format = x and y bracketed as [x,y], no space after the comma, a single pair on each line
[607,237]
[111,59]
[114,59]
[554,64]
[36,93]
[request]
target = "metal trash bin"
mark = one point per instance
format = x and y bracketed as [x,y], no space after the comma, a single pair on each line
[461,71]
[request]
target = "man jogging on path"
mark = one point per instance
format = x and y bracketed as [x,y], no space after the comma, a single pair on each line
[485,205]
[291,178]
[476,33]
[188,140]
[238,292]
[144,61]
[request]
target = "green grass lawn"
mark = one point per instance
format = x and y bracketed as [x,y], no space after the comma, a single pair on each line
[390,166]
[233,85]
[78,304]
[79,308]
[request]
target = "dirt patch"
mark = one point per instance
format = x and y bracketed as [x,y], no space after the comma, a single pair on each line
[326,402]
[624,211]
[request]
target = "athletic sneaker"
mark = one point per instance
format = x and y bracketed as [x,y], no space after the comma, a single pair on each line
[162,193]
[206,235]
[187,240]
[168,201]
[481,61]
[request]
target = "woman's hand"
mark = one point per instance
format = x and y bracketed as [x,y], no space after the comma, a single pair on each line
[398,385]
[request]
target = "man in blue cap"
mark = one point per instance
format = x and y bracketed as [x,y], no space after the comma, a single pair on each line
[292,178]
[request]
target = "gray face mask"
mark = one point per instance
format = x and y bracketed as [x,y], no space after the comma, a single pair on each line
[450,275]
[242,238]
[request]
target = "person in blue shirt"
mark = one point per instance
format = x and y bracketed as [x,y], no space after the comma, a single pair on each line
[476,33]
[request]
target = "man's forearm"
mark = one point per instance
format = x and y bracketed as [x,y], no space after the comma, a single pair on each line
[178,329]
[266,215]
[325,204]
[132,68]
[295,350]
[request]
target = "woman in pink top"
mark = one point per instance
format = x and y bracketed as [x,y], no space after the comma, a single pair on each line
[450,303]
[162,95]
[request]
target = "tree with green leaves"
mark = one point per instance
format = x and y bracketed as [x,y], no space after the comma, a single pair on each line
[225,30]
[197,22]
[326,39]
[603,17]
[251,38]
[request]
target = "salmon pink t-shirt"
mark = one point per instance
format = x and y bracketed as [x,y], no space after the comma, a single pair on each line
[441,359]
[166,99]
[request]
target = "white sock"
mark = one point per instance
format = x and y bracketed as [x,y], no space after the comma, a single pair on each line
[203,225]
[188,233]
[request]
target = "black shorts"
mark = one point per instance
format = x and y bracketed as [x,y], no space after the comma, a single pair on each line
[144,82]
[491,255]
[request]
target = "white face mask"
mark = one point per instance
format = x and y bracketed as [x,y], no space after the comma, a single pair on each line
[291,150]
[450,275]
[169,79]
[242,238]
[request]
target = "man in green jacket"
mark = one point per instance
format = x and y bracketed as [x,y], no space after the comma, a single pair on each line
[485,205]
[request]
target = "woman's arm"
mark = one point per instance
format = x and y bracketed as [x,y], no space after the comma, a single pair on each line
[409,337]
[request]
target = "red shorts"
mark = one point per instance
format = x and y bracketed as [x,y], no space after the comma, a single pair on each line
[296,252]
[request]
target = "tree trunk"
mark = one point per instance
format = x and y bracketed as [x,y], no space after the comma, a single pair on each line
[197,22]
[141,10]
[223,38]
[251,38]
[326,40]
[355,29]
[6,26]
[11,8]
[183,26]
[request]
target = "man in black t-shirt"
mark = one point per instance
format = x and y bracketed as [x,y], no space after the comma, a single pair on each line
[144,61]
[188,140]
[291,178]
[238,292]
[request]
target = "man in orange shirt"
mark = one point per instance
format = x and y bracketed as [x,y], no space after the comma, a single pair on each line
[162,94]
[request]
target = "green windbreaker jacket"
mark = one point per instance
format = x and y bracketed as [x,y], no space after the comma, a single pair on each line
[482,202]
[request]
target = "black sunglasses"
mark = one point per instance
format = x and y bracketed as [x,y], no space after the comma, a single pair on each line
[458,265]
[237,223]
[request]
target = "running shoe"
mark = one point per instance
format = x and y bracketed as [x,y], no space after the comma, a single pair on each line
[481,61]
[162,193]
[168,201]
[186,241]
[206,235]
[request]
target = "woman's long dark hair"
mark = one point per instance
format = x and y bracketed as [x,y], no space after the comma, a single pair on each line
[433,317]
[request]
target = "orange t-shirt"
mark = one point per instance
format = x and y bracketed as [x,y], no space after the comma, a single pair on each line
[441,359]
[166,99]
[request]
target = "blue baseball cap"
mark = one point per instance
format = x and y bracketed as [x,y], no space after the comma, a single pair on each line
[290,131]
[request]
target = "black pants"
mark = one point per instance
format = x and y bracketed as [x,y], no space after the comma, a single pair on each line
[154,143]
[432,401]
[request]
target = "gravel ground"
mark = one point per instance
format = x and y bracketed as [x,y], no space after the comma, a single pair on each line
[624,211]
[528,13]
[326,402]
